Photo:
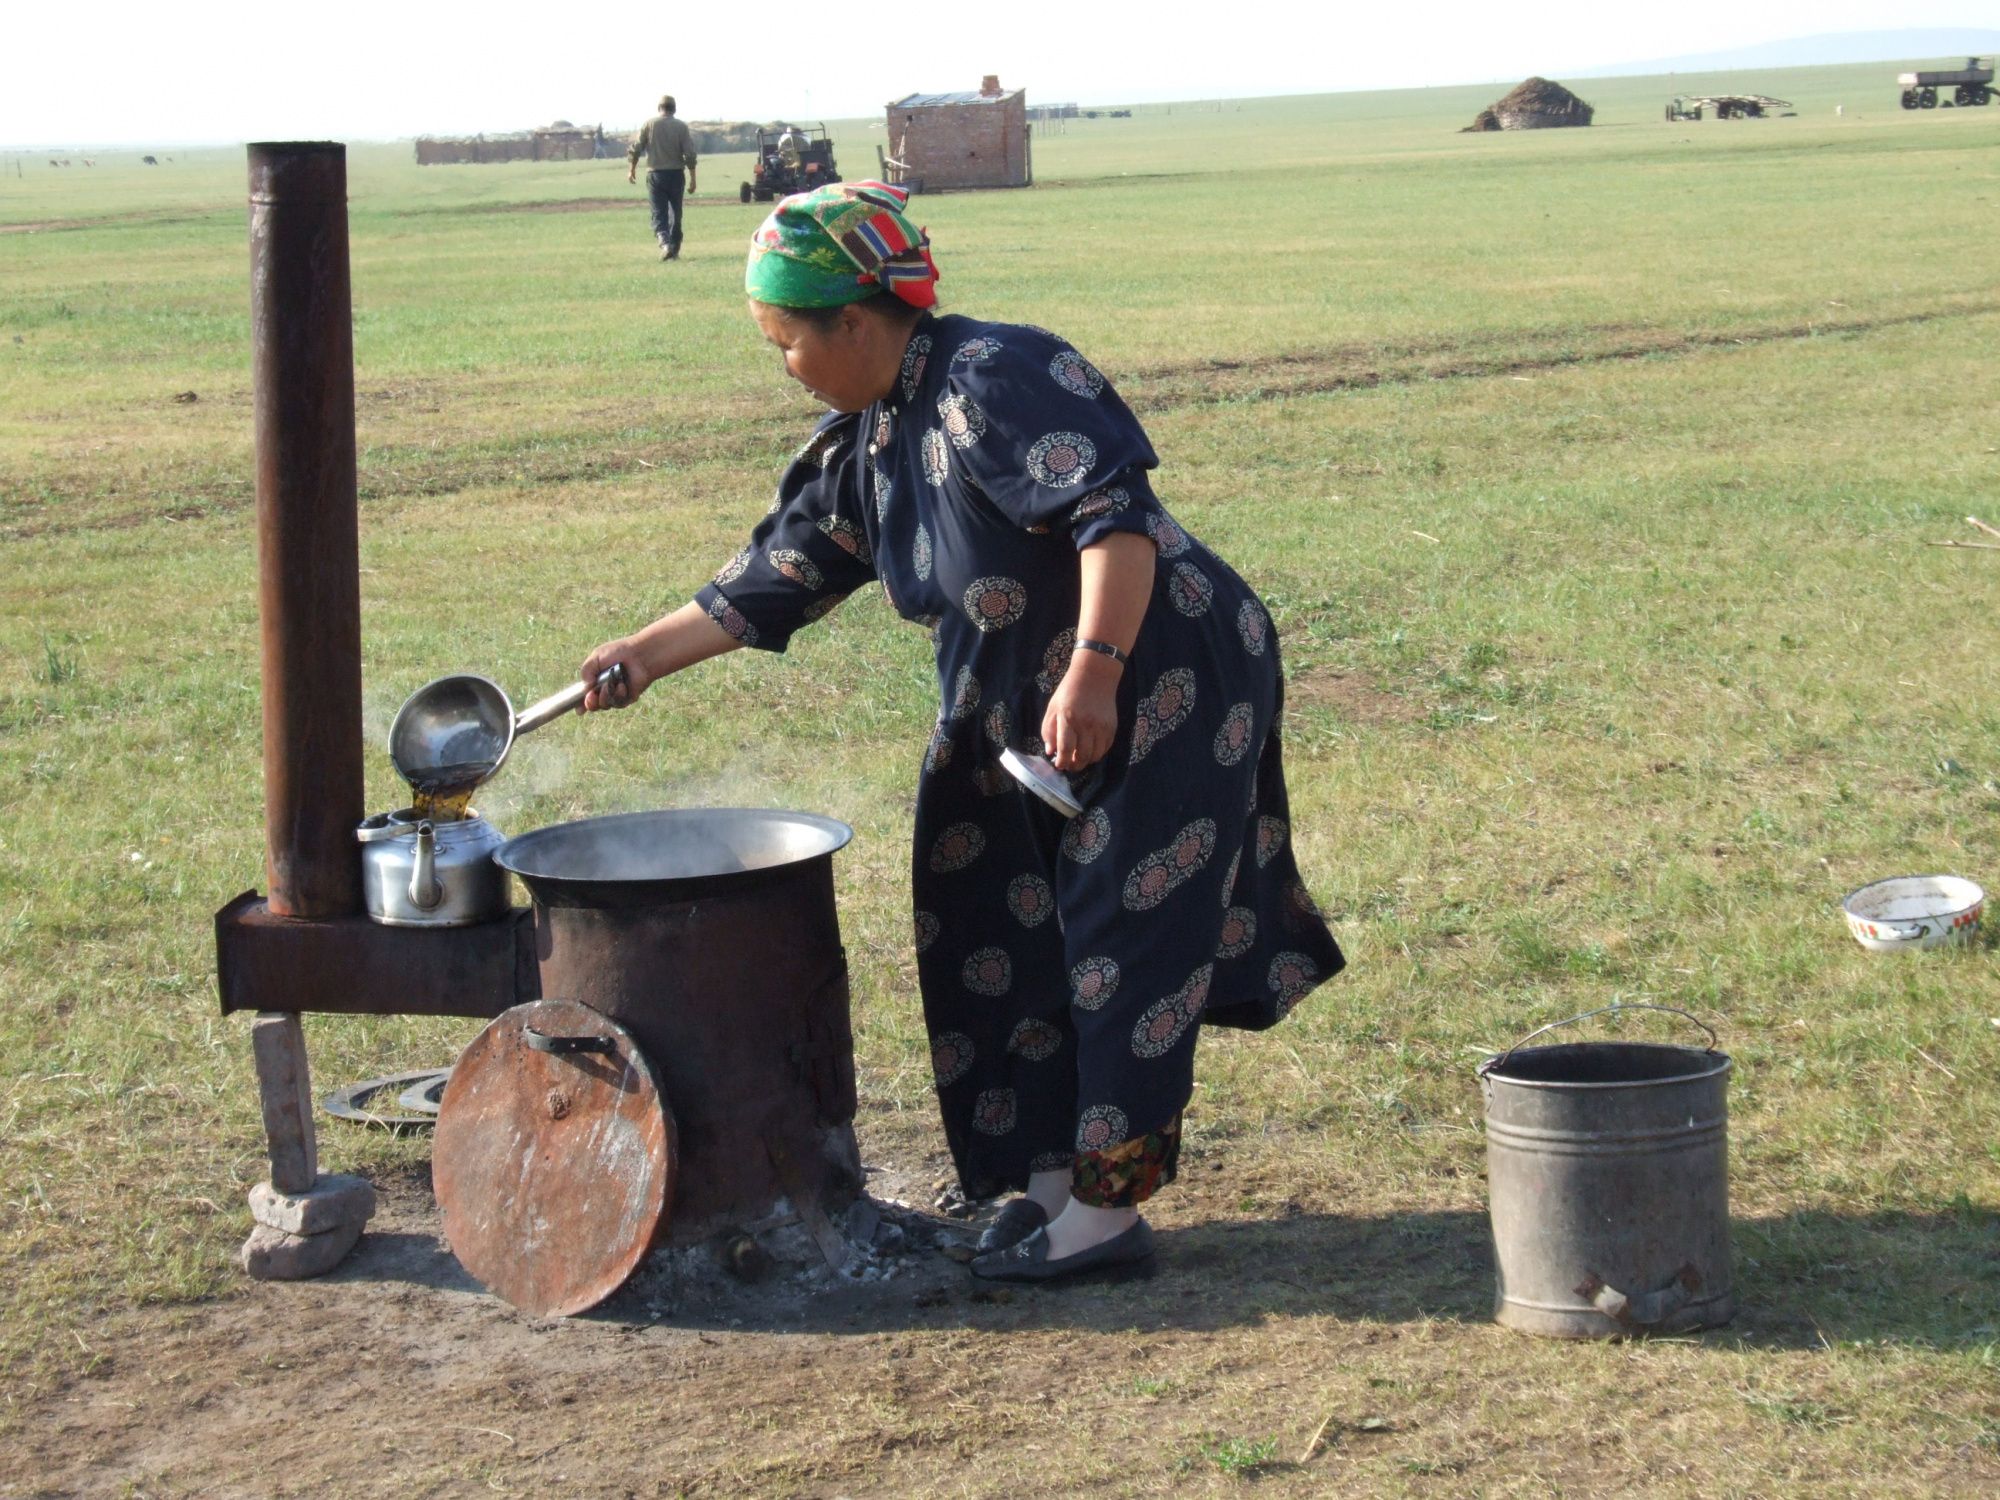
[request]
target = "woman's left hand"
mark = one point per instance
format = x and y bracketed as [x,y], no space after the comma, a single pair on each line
[1082,716]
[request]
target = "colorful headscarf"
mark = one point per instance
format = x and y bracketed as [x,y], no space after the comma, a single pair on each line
[838,244]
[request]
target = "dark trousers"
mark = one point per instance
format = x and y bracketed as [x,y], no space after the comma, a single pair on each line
[665,189]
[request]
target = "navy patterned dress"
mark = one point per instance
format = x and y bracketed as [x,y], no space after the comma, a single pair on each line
[1064,963]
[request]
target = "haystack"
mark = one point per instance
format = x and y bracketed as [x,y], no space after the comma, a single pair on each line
[1535,104]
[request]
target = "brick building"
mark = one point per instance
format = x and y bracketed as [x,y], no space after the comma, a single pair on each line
[977,140]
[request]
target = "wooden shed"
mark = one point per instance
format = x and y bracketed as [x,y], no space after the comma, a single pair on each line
[960,140]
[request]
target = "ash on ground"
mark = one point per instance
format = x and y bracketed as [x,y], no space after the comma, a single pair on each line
[896,1232]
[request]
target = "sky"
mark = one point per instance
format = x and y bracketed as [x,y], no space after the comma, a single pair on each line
[222,71]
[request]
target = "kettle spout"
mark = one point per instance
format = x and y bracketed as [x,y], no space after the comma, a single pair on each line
[426,890]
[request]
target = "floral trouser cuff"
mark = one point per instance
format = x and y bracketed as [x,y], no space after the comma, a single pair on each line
[1127,1174]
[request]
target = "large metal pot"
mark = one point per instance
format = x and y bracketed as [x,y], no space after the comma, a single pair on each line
[710,934]
[420,873]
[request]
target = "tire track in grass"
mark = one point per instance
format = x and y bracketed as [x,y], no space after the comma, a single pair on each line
[746,436]
[1368,367]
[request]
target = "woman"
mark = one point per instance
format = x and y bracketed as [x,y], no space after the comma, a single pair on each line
[991,480]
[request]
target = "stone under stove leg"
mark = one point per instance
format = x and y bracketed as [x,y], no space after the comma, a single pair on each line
[305,1223]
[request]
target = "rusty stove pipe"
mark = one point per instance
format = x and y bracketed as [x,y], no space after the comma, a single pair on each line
[308,555]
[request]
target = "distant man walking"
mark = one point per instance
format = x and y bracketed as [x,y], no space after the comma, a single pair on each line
[668,145]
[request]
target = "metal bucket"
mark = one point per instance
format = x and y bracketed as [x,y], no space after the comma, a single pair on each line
[1607,1175]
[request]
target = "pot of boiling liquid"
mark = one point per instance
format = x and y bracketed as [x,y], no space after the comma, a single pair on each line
[431,864]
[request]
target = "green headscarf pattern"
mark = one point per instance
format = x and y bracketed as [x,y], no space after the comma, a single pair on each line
[838,244]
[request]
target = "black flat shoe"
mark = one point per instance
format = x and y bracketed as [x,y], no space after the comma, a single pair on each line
[1014,1223]
[1123,1254]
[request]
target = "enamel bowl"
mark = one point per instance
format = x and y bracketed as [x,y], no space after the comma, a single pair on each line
[1913,911]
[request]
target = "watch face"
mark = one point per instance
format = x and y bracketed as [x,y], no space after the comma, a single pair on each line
[1036,774]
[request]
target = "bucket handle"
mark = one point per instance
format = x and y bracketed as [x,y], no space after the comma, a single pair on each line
[1602,1010]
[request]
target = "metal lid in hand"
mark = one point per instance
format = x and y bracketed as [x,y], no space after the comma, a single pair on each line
[1036,774]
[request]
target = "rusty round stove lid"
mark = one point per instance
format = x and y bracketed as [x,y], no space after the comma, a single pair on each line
[554,1157]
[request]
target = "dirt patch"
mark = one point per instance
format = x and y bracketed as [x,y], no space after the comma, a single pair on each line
[1353,696]
[108,221]
[399,1375]
[553,206]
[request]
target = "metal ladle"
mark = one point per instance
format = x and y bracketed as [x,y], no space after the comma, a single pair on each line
[456,731]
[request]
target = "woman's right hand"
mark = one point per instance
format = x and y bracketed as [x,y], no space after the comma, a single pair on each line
[625,651]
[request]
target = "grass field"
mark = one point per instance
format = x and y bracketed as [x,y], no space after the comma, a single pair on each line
[1590,476]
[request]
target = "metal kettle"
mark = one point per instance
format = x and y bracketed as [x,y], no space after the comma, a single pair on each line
[419,873]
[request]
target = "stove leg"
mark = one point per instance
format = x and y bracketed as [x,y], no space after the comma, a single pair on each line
[305,1223]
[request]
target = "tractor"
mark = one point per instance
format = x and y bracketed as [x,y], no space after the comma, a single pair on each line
[790,159]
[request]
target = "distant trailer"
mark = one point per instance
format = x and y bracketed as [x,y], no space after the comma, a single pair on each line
[1969,85]
[1725,106]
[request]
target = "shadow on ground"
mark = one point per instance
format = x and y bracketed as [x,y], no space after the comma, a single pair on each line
[1803,1280]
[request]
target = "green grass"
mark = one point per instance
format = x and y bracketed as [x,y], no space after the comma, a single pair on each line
[1589,475]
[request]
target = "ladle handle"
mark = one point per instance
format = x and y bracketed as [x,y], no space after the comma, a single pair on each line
[535,715]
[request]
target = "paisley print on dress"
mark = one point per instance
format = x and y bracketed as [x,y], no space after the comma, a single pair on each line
[995,603]
[1166,1021]
[1254,626]
[882,486]
[1166,534]
[1239,932]
[795,565]
[916,355]
[1190,590]
[999,726]
[820,449]
[1093,982]
[1292,976]
[848,537]
[1037,1041]
[1105,502]
[1088,835]
[920,552]
[1229,877]
[993,1112]
[938,753]
[957,847]
[1061,459]
[885,428]
[1232,740]
[964,422]
[1270,839]
[1030,900]
[1055,660]
[937,461]
[951,1057]
[1156,876]
[1076,374]
[1162,711]
[975,351]
[964,695]
[823,606]
[1099,1126]
[988,972]
[928,927]
[730,618]
[732,570]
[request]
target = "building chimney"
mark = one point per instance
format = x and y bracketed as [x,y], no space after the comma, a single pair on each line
[989,86]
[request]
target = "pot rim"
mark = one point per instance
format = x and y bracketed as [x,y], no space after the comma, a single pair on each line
[515,855]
